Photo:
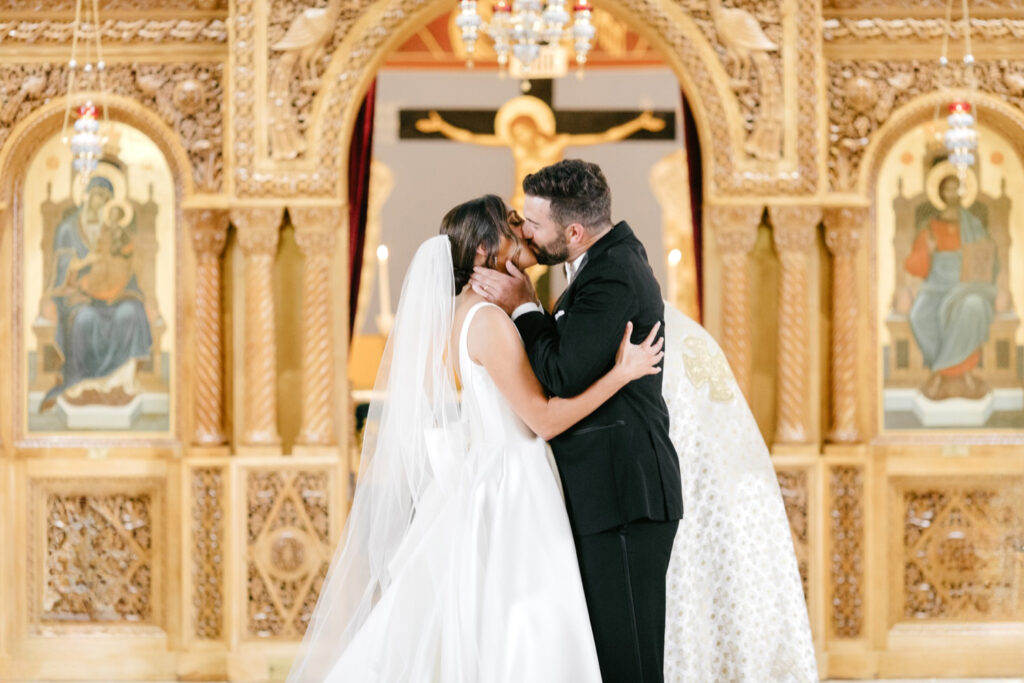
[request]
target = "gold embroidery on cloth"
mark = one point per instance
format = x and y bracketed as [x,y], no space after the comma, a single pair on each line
[708,367]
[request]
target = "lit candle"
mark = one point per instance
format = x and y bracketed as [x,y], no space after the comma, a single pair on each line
[674,257]
[384,291]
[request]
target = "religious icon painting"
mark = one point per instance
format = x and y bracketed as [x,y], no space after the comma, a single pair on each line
[950,286]
[98,290]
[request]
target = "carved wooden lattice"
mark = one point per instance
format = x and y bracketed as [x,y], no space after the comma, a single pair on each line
[288,538]
[961,558]
[208,552]
[847,515]
[99,558]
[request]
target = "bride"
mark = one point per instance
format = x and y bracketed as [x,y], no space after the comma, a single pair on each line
[458,563]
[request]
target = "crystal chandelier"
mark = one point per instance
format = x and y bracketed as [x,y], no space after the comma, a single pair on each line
[86,74]
[522,28]
[961,137]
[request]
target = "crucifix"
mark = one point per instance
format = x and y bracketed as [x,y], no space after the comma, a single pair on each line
[536,133]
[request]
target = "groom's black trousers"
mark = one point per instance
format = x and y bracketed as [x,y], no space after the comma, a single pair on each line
[623,572]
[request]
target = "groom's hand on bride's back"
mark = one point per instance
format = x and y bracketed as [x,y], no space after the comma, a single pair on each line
[507,291]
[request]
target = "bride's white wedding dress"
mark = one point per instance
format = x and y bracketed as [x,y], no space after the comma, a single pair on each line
[485,584]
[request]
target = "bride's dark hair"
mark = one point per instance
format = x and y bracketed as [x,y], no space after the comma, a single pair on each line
[479,221]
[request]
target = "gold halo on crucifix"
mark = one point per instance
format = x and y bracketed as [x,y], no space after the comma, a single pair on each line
[105,170]
[524,106]
[943,170]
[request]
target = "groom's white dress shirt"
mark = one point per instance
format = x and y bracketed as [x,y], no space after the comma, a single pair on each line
[572,269]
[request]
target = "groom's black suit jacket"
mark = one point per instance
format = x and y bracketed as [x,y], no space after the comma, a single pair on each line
[618,464]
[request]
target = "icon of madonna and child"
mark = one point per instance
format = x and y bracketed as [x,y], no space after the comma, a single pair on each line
[98,356]
[954,358]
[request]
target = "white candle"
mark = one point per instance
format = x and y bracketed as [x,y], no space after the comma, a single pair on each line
[674,257]
[384,291]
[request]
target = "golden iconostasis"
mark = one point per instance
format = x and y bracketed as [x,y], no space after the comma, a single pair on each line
[177,422]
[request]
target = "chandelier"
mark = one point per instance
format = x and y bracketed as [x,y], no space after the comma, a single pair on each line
[522,29]
[961,137]
[86,74]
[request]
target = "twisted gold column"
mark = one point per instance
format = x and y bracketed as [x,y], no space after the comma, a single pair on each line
[793,230]
[258,232]
[843,227]
[209,228]
[316,234]
[735,230]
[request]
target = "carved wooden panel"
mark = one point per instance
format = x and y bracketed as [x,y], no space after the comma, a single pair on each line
[95,555]
[288,549]
[187,97]
[208,541]
[846,487]
[793,485]
[960,554]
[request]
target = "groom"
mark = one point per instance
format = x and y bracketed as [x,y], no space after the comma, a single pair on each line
[619,470]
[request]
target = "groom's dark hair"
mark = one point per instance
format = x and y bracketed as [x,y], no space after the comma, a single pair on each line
[577,190]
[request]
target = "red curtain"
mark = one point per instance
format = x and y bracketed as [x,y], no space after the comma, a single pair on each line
[360,155]
[691,144]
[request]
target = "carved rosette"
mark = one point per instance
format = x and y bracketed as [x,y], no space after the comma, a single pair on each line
[258,234]
[316,234]
[794,229]
[208,552]
[735,230]
[209,234]
[846,486]
[842,235]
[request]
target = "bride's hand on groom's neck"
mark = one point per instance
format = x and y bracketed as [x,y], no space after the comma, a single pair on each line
[506,291]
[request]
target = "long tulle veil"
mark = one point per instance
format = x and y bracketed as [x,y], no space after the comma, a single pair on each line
[409,432]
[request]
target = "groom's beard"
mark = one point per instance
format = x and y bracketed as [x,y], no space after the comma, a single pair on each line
[554,253]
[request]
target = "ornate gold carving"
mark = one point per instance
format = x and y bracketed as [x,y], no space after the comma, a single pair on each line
[961,554]
[316,234]
[745,42]
[99,558]
[258,233]
[924,29]
[120,6]
[288,549]
[793,486]
[854,115]
[708,367]
[356,50]
[208,552]
[209,235]
[846,486]
[842,235]
[794,229]
[932,6]
[199,125]
[117,30]
[303,45]
[735,231]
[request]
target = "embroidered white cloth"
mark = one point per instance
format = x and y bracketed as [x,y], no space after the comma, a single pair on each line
[735,603]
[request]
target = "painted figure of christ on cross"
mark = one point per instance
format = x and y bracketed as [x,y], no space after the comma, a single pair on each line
[537,134]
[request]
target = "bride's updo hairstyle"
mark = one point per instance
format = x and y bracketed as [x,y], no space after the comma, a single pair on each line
[477,222]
